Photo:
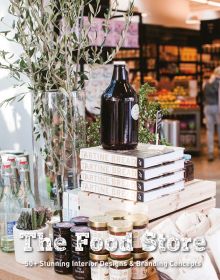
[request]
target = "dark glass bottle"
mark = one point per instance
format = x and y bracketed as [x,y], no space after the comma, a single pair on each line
[119,112]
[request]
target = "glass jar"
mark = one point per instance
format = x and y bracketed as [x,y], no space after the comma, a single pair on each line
[120,269]
[99,267]
[140,223]
[117,214]
[63,230]
[118,229]
[189,168]
[98,226]
[139,270]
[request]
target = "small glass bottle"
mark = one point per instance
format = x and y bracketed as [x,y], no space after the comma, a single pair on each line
[139,269]
[25,193]
[9,205]
[15,175]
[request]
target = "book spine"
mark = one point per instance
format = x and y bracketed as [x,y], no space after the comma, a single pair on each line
[92,154]
[105,179]
[109,169]
[109,191]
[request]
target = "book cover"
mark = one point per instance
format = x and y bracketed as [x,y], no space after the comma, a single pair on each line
[145,155]
[129,172]
[132,184]
[130,194]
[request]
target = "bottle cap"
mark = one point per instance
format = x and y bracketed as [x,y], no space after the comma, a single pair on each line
[96,257]
[120,226]
[80,220]
[99,221]
[116,63]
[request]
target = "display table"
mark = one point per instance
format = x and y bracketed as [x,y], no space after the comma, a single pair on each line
[198,195]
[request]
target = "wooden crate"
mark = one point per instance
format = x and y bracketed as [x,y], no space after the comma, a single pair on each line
[198,195]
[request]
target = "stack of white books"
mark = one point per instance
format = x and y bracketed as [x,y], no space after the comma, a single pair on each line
[143,174]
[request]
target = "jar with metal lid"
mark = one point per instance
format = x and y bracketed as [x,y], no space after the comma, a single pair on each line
[80,220]
[62,229]
[99,266]
[79,229]
[120,269]
[63,260]
[140,223]
[118,230]
[117,214]
[189,168]
[139,269]
[98,226]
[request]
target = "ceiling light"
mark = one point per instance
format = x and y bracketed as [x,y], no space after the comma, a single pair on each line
[200,1]
[214,3]
[192,20]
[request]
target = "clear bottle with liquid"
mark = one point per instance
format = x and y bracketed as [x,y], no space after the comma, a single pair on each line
[15,175]
[26,195]
[10,207]
[119,112]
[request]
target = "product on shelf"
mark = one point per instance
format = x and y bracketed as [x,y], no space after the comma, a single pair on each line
[139,269]
[116,214]
[119,112]
[120,269]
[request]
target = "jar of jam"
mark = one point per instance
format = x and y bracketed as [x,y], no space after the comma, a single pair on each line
[98,227]
[80,220]
[189,168]
[140,223]
[81,268]
[85,252]
[118,230]
[99,267]
[120,269]
[139,269]
[117,214]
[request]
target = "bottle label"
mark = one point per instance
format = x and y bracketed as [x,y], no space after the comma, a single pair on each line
[139,272]
[10,226]
[135,112]
[137,235]
[99,272]
[120,274]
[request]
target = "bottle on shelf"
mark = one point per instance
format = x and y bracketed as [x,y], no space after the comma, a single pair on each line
[15,175]
[9,204]
[25,193]
[119,112]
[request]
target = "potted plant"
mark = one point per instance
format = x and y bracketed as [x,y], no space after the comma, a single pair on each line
[31,221]
[55,41]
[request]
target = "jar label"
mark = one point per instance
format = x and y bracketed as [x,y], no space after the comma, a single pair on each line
[139,272]
[101,234]
[136,236]
[10,226]
[118,251]
[99,272]
[120,274]
[135,112]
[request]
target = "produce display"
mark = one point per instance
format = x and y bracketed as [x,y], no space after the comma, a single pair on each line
[178,98]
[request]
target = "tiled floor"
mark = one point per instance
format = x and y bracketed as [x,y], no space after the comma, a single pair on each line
[208,170]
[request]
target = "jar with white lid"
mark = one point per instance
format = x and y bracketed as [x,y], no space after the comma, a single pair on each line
[99,267]
[118,230]
[139,269]
[140,223]
[117,214]
[98,228]
[120,269]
